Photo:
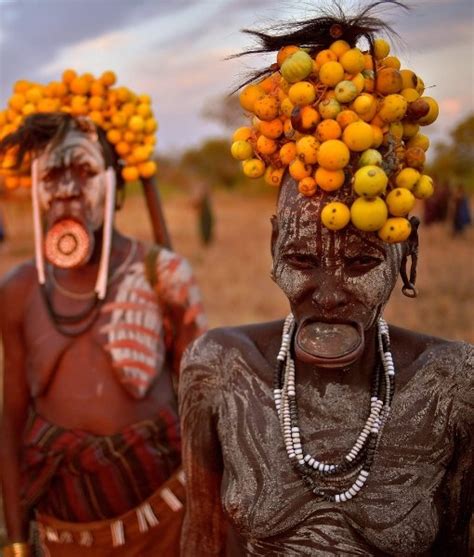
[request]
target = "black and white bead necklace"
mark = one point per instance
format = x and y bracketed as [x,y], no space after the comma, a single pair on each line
[324,478]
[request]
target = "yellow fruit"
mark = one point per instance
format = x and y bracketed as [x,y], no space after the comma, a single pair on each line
[272,129]
[288,153]
[393,108]
[21,86]
[409,79]
[151,125]
[144,110]
[266,146]
[307,149]
[147,169]
[340,47]
[410,129]
[249,95]
[424,187]
[358,136]
[419,140]
[381,49]
[242,134]
[329,108]
[114,136]
[368,214]
[329,180]
[333,154]
[307,186]
[299,170]
[370,181]
[79,86]
[353,61]
[359,82]
[266,108]
[17,101]
[96,103]
[136,123]
[335,215]
[378,136]
[328,129]
[130,173]
[388,81]
[420,87]
[34,95]
[28,109]
[400,202]
[391,62]
[395,229]
[346,117]
[305,119]
[326,55]
[415,157]
[395,130]
[97,89]
[273,176]
[284,52]
[365,106]
[346,91]
[370,157]
[407,178]
[253,168]
[432,114]
[411,95]
[68,76]
[122,148]
[331,73]
[302,93]
[286,107]
[119,120]
[297,66]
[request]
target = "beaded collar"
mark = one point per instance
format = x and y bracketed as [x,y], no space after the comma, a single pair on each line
[330,481]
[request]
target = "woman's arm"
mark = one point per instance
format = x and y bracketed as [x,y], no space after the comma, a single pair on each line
[199,392]
[16,402]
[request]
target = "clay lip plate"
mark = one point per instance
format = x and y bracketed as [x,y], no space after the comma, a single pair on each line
[329,358]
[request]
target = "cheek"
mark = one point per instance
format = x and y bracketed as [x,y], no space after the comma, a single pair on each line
[94,197]
[294,284]
[373,289]
[44,197]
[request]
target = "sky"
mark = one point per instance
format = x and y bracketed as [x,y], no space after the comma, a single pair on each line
[175,51]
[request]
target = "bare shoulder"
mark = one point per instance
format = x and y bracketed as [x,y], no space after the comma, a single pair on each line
[448,364]
[15,289]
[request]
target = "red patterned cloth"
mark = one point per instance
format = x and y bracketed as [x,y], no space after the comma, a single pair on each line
[80,477]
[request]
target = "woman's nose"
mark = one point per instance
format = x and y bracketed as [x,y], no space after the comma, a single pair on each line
[66,188]
[329,295]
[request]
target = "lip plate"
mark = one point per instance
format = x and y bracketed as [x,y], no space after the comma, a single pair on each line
[343,360]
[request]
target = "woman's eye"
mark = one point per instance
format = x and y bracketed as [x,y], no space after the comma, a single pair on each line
[86,171]
[362,263]
[301,261]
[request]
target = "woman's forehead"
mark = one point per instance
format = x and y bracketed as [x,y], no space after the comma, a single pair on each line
[299,224]
[81,144]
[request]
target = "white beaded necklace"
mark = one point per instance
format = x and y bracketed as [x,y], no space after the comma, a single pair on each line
[358,460]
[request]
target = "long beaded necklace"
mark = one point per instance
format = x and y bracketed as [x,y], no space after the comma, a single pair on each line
[327,479]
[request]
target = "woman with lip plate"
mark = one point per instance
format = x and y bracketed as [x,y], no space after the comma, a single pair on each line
[93,330]
[329,432]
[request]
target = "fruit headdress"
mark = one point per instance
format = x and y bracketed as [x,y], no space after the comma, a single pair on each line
[345,122]
[125,118]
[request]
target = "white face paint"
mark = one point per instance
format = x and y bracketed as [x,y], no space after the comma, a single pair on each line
[71,180]
[343,276]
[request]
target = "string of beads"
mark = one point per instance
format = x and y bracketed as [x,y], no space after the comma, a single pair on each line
[327,479]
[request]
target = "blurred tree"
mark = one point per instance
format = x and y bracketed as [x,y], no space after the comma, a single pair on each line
[226,111]
[454,161]
[213,162]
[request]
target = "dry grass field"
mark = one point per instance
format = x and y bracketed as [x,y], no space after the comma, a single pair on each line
[234,271]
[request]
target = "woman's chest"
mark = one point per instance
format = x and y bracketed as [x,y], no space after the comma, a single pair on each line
[265,496]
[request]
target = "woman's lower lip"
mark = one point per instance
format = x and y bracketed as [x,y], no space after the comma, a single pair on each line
[329,343]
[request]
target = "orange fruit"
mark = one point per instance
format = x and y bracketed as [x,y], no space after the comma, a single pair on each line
[108,78]
[328,129]
[266,146]
[329,180]
[284,52]
[299,170]
[249,95]
[271,129]
[147,169]
[130,173]
[288,153]
[266,108]
[273,176]
[307,149]
[307,186]
[358,136]
[333,154]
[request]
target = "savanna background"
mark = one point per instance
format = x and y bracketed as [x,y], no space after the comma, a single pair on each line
[218,219]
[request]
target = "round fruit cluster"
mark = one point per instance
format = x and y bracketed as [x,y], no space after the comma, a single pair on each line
[342,118]
[126,118]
